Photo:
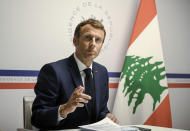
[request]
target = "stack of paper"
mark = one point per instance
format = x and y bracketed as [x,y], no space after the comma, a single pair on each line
[108,125]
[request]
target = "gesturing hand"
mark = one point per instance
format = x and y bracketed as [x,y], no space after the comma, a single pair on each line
[112,117]
[77,99]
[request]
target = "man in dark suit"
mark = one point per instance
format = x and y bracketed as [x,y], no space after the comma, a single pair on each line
[66,95]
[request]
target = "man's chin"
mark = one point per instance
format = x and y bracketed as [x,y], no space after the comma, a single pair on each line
[91,56]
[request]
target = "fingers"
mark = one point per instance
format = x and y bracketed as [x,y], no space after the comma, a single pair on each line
[85,96]
[112,117]
[79,90]
[80,105]
[81,100]
[78,93]
[77,99]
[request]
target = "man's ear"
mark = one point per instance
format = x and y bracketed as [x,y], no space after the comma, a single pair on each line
[75,41]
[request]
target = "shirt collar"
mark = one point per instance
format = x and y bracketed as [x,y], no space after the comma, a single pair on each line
[80,65]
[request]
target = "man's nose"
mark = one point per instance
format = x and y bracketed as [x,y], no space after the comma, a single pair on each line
[93,42]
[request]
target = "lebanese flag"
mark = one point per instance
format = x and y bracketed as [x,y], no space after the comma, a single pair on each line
[142,96]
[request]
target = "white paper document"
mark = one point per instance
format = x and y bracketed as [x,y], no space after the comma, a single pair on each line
[108,125]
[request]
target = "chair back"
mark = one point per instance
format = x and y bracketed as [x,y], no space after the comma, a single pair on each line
[27,111]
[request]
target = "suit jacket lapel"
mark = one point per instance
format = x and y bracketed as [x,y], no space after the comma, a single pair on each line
[75,71]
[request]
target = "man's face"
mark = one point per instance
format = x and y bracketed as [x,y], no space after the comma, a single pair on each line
[89,44]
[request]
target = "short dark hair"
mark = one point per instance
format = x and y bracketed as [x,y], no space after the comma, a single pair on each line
[95,23]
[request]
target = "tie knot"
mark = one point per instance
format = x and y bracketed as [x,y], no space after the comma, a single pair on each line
[87,72]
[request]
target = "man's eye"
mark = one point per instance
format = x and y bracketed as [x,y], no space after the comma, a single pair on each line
[87,38]
[98,40]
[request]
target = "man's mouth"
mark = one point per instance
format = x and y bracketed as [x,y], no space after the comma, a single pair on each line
[91,52]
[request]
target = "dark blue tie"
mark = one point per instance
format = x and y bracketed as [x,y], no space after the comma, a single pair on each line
[90,90]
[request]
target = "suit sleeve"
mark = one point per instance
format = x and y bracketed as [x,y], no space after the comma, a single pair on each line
[45,109]
[105,110]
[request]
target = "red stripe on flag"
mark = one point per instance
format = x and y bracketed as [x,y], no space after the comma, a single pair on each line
[162,115]
[178,85]
[17,85]
[146,12]
[113,85]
